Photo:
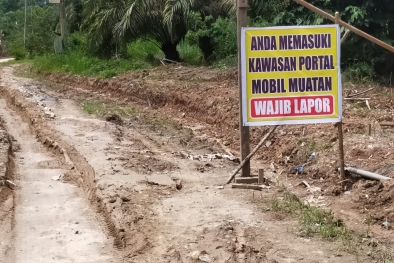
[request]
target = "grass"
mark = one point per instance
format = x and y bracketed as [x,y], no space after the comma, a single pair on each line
[142,50]
[101,109]
[81,64]
[226,63]
[191,54]
[140,54]
[312,219]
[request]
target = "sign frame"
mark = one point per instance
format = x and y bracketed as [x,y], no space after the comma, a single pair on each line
[298,120]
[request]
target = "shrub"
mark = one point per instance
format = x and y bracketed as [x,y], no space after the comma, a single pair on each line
[144,50]
[359,72]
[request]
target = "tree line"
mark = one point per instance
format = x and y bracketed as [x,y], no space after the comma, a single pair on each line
[104,28]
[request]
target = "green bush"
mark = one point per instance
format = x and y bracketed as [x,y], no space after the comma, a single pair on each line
[360,72]
[144,50]
[224,37]
[191,54]
[77,42]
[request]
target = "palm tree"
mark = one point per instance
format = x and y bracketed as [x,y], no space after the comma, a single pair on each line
[111,24]
[100,18]
[208,11]
[145,19]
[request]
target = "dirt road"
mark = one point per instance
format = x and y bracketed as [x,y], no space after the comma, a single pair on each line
[140,188]
[49,215]
[3,60]
[52,221]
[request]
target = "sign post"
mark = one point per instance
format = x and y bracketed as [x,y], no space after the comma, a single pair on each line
[340,135]
[62,15]
[291,75]
[242,20]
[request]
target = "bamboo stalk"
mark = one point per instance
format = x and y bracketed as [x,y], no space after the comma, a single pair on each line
[359,93]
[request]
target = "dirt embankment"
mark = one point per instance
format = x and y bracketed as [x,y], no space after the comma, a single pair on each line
[123,175]
[7,166]
[206,100]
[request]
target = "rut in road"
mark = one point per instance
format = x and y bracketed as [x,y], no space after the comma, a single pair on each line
[53,221]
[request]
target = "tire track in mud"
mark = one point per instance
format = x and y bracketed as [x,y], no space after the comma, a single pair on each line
[122,209]
[78,171]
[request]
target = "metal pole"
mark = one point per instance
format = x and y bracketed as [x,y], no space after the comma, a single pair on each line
[24,29]
[242,21]
[367,174]
[340,133]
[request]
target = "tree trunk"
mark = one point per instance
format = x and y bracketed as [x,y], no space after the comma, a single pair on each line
[205,44]
[170,51]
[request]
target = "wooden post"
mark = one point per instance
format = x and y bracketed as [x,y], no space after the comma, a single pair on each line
[24,28]
[62,17]
[242,21]
[261,176]
[340,133]
[247,158]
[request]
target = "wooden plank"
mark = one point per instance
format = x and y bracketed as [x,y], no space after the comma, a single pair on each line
[345,25]
[357,98]
[341,151]
[247,180]
[249,186]
[359,93]
[390,124]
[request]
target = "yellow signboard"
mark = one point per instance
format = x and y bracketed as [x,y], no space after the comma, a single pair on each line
[291,75]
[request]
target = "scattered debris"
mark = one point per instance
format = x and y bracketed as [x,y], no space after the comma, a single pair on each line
[210,157]
[5,181]
[318,202]
[57,177]
[359,93]
[10,184]
[48,111]
[301,167]
[204,257]
[195,255]
[311,189]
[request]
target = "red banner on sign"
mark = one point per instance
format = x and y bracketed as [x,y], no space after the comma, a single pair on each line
[292,106]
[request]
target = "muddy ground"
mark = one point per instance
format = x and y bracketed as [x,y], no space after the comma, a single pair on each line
[131,145]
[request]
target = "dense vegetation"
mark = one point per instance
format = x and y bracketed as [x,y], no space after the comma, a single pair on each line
[137,32]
